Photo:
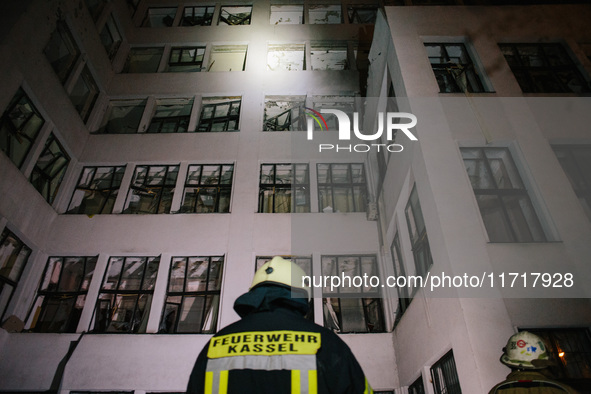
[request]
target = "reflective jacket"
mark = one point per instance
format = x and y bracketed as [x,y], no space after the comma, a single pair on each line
[530,382]
[275,350]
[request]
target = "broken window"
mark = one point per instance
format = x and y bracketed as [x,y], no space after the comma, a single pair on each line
[342,187]
[417,387]
[84,94]
[350,308]
[197,16]
[50,168]
[208,188]
[123,116]
[325,14]
[186,59]
[235,15]
[62,51]
[193,297]
[362,14]
[278,183]
[126,294]
[97,190]
[569,353]
[13,257]
[445,376]
[171,116]
[544,68]
[507,211]
[454,70]
[19,126]
[110,37]
[287,14]
[399,271]
[329,56]
[62,294]
[286,57]
[159,17]
[151,189]
[342,103]
[219,114]
[418,234]
[284,113]
[576,161]
[143,60]
[227,58]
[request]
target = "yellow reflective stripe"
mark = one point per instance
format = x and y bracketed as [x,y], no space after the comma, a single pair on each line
[208,383]
[295,381]
[312,382]
[223,382]
[368,389]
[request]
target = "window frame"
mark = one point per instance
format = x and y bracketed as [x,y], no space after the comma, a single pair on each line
[47,180]
[180,123]
[222,188]
[206,124]
[15,258]
[293,190]
[180,63]
[404,298]
[164,190]
[293,114]
[142,66]
[112,189]
[348,185]
[207,19]
[421,248]
[232,19]
[442,71]
[444,375]
[147,21]
[63,31]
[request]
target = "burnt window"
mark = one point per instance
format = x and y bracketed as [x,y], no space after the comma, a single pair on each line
[186,59]
[287,14]
[123,116]
[453,68]
[19,126]
[445,376]
[544,68]
[50,168]
[418,234]
[14,254]
[171,116]
[219,114]
[143,60]
[329,56]
[284,188]
[159,17]
[208,188]
[323,14]
[286,57]
[284,113]
[362,14]
[235,15]
[151,189]
[62,294]
[125,297]
[342,187]
[97,190]
[62,51]
[197,16]
[352,307]
[193,297]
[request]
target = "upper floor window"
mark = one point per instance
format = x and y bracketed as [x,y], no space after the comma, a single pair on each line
[576,162]
[227,58]
[193,297]
[544,68]
[159,17]
[197,16]
[287,14]
[454,70]
[19,126]
[84,93]
[14,254]
[403,294]
[62,294]
[186,59]
[417,387]
[445,376]
[279,183]
[111,37]
[342,187]
[95,7]
[352,307]
[126,295]
[286,57]
[321,14]
[362,14]
[208,188]
[171,116]
[97,190]
[123,116]
[143,60]
[418,234]
[62,51]
[329,56]
[504,202]
[219,114]
[284,113]
[151,189]
[235,15]
[50,168]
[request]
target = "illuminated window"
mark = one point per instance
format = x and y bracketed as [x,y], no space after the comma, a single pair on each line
[227,58]
[329,56]
[284,113]
[287,14]
[286,57]
[325,14]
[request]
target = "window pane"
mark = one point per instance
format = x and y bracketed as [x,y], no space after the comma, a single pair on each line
[143,60]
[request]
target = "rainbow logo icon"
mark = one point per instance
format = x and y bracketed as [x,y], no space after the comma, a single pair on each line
[316,118]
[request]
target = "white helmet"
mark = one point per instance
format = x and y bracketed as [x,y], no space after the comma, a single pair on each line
[523,349]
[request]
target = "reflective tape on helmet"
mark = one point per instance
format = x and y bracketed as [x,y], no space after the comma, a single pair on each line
[264,343]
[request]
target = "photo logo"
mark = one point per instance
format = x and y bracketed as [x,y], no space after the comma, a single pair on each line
[345,130]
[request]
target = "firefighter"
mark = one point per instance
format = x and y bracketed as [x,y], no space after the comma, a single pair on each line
[273,348]
[527,357]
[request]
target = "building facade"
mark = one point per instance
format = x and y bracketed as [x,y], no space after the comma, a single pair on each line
[155,153]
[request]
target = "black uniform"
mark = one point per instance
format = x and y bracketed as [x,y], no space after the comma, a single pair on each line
[275,350]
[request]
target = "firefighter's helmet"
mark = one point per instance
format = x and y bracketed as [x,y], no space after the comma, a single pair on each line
[525,350]
[279,271]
